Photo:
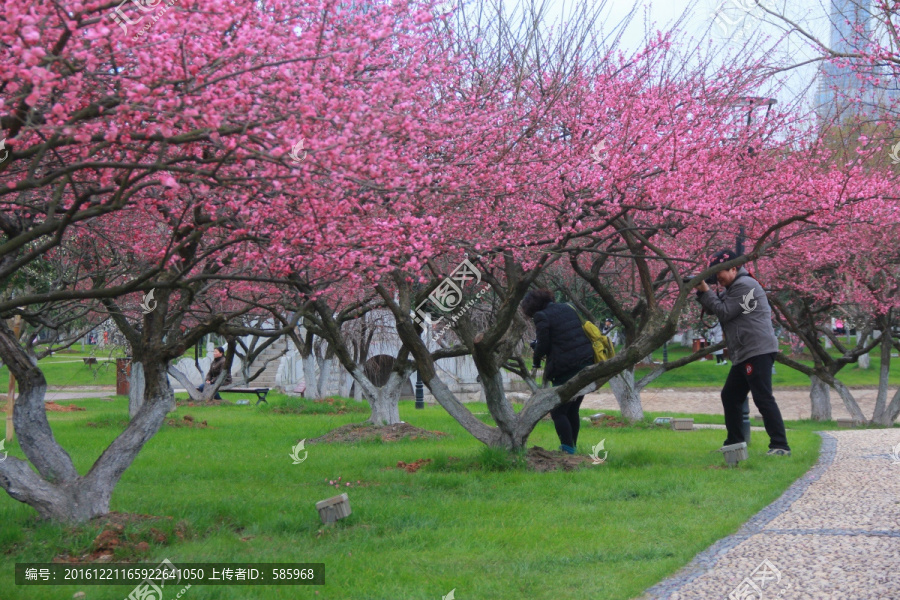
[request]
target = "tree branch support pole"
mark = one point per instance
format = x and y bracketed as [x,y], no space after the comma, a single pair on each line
[10,397]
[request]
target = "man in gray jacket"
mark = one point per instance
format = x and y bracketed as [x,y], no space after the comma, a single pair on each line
[743,310]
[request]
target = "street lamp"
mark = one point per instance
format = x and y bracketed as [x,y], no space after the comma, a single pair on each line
[420,387]
[750,103]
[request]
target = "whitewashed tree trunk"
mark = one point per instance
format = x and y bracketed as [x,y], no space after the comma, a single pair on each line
[882,413]
[627,395]
[864,361]
[849,402]
[820,399]
[346,381]
[384,401]
[136,385]
[309,375]
[48,481]
[324,376]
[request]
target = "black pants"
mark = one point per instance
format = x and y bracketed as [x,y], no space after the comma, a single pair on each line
[216,397]
[565,416]
[753,375]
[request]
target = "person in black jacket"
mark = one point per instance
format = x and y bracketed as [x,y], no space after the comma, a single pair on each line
[215,369]
[561,339]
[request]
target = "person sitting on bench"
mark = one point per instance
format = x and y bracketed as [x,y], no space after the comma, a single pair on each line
[215,369]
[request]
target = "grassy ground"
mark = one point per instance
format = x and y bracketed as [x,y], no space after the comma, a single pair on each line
[67,369]
[471,520]
[707,374]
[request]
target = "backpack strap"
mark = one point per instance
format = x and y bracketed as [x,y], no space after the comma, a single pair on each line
[580,318]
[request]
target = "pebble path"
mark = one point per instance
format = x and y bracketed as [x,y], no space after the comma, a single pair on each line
[833,535]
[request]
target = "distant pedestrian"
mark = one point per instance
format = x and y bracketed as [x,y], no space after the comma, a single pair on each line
[714,336]
[215,369]
[561,339]
[610,331]
[743,310]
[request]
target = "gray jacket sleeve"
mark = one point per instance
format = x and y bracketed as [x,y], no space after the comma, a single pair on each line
[726,308]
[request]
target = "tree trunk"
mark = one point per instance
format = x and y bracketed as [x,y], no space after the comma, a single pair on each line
[136,386]
[54,489]
[346,380]
[386,403]
[324,376]
[849,402]
[864,361]
[882,415]
[627,395]
[893,409]
[309,375]
[820,399]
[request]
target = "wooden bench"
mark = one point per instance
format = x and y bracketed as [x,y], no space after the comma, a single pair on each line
[260,393]
[88,360]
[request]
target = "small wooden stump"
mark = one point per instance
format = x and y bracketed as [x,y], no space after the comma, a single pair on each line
[335,508]
[847,423]
[682,424]
[89,360]
[734,453]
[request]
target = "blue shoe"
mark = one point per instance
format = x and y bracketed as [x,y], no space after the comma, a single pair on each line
[567,449]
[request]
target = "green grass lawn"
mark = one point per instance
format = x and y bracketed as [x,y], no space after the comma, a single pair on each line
[67,368]
[477,522]
[707,374]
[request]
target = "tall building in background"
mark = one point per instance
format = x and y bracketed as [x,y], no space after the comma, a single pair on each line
[850,25]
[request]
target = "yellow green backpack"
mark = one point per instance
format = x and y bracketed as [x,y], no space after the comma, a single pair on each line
[603,348]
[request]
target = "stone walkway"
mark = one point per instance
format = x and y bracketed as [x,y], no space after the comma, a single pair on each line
[794,403]
[833,535]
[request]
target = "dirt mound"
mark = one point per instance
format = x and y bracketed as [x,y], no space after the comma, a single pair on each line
[544,460]
[113,538]
[361,432]
[609,421]
[413,466]
[187,422]
[54,407]
[190,402]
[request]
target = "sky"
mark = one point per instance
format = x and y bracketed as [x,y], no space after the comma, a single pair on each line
[723,22]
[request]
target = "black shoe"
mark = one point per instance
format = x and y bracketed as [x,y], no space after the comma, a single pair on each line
[778,452]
